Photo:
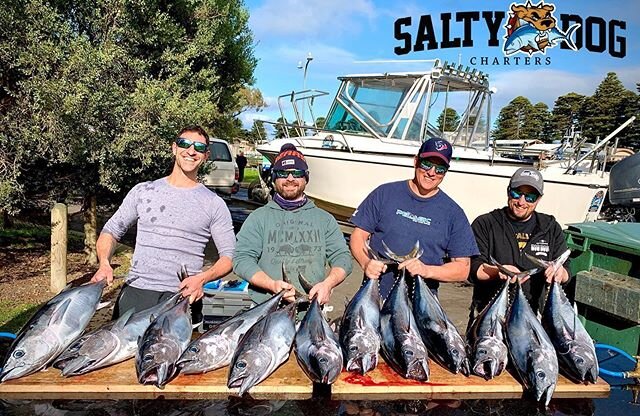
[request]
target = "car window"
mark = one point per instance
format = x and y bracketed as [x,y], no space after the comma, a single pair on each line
[219,152]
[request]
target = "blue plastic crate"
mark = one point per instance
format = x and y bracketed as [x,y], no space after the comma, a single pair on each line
[215,285]
[236,286]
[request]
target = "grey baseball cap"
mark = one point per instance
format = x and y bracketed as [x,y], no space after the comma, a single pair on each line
[527,176]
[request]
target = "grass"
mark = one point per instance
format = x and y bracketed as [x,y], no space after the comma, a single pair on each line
[14,316]
[250,174]
[27,236]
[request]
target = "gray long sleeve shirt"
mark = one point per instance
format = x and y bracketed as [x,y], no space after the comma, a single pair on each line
[174,226]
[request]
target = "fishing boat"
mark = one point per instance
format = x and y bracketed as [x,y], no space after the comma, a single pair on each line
[377,121]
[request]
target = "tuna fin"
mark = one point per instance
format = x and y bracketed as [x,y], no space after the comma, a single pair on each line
[233,326]
[102,305]
[59,312]
[285,276]
[538,262]
[123,319]
[306,284]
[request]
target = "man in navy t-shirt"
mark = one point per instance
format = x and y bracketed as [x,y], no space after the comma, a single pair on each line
[401,213]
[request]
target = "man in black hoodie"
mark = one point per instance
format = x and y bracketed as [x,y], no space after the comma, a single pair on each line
[506,234]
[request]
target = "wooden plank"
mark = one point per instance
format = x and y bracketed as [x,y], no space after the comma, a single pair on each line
[384,383]
[119,382]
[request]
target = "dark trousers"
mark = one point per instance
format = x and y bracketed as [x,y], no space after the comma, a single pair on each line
[140,299]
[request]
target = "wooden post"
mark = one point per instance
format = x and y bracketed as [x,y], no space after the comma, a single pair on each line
[58,247]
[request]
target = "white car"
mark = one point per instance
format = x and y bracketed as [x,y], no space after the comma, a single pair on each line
[223,176]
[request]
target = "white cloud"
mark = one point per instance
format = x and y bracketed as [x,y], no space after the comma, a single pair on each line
[308,18]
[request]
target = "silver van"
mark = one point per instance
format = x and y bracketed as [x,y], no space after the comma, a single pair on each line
[223,175]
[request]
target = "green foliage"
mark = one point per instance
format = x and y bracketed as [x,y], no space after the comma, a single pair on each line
[605,109]
[512,122]
[565,114]
[258,133]
[93,93]
[448,120]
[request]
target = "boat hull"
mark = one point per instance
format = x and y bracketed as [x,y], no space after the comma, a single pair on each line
[340,180]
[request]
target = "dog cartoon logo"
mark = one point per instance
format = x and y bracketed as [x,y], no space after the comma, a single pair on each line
[440,146]
[532,29]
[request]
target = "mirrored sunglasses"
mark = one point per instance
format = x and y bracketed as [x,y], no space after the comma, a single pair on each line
[427,164]
[296,173]
[199,147]
[530,197]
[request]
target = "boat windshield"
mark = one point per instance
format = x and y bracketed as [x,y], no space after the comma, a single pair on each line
[374,104]
[411,106]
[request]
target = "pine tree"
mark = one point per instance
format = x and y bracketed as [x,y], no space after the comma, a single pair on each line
[448,120]
[565,114]
[605,110]
[510,124]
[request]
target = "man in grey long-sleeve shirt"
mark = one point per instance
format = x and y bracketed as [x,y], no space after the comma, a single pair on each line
[176,216]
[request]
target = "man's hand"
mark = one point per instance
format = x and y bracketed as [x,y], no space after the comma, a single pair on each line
[559,275]
[192,287]
[374,269]
[322,291]
[105,271]
[514,269]
[415,267]
[290,291]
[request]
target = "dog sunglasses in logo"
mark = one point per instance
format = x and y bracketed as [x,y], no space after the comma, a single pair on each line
[529,197]
[186,143]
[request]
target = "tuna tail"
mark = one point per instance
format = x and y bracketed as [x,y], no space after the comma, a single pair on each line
[569,34]
[306,284]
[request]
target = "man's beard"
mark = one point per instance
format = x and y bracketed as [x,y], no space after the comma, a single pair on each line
[290,194]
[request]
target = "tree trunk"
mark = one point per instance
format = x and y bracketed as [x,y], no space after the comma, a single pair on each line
[7,221]
[89,210]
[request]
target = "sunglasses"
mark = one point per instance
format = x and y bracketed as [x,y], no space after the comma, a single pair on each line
[529,197]
[296,173]
[426,165]
[197,146]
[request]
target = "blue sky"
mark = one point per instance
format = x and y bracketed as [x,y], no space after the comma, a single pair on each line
[341,33]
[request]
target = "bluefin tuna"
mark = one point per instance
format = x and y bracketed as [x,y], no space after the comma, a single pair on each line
[162,344]
[575,348]
[51,330]
[531,350]
[486,337]
[524,36]
[556,35]
[402,347]
[443,341]
[360,329]
[215,348]
[112,343]
[264,348]
[317,347]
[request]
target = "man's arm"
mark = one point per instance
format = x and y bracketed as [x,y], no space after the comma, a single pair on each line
[357,243]
[456,270]
[105,246]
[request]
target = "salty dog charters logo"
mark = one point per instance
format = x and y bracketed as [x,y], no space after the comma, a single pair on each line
[532,29]
[525,33]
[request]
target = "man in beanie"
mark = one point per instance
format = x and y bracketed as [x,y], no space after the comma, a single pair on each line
[507,234]
[291,230]
[402,213]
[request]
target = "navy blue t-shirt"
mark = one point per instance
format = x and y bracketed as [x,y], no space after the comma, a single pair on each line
[393,213]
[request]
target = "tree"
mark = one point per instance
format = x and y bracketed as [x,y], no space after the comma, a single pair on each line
[258,133]
[448,120]
[320,121]
[510,123]
[606,109]
[538,121]
[93,93]
[565,114]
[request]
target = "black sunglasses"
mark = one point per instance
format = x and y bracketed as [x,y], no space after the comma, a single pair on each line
[427,164]
[186,143]
[530,197]
[296,173]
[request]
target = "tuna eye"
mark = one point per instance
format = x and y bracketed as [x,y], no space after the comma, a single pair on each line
[322,359]
[194,349]
[147,357]
[409,353]
[18,354]
[541,374]
[241,364]
[579,360]
[353,348]
[455,353]
[482,351]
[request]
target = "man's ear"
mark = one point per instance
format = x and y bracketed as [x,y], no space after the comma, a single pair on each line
[174,149]
[416,162]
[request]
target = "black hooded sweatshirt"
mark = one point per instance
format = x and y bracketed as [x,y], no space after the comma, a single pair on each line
[496,237]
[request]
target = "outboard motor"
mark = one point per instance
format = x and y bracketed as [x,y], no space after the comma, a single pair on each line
[624,187]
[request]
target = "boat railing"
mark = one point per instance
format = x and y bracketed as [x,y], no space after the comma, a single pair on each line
[328,141]
[308,97]
[597,147]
